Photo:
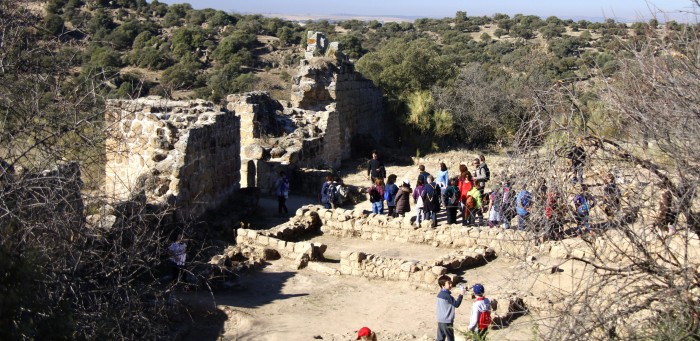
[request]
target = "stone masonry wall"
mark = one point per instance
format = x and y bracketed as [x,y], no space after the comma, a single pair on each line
[185,153]
[512,243]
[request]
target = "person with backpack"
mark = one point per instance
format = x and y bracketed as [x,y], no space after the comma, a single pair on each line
[583,203]
[403,198]
[431,200]
[473,204]
[523,206]
[480,319]
[508,207]
[375,167]
[554,212]
[375,194]
[418,200]
[328,192]
[452,201]
[282,191]
[390,191]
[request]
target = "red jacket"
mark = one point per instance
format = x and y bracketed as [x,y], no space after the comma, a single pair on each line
[464,187]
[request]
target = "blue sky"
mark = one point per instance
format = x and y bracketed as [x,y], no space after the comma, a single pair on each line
[622,9]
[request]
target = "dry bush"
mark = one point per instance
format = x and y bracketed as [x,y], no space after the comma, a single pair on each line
[63,279]
[640,282]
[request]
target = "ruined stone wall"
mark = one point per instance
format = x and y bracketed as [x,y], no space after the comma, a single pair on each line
[354,105]
[185,153]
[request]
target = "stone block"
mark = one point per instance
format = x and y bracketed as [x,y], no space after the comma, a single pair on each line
[438,270]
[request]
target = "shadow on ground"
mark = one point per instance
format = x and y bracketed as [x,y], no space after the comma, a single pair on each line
[252,291]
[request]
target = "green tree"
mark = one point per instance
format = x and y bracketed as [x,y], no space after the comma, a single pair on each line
[401,67]
[236,43]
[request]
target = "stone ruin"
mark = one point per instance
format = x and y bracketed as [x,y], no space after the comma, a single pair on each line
[195,154]
[183,153]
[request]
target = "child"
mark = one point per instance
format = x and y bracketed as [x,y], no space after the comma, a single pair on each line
[282,190]
[365,334]
[390,191]
[178,253]
[402,199]
[376,196]
[481,314]
[583,203]
[418,200]
[445,309]
[452,201]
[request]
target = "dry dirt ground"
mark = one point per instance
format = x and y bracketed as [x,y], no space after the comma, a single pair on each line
[282,303]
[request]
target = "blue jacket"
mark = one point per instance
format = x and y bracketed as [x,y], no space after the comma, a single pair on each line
[522,202]
[445,307]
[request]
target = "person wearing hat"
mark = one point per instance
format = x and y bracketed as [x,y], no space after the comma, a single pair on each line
[480,319]
[365,334]
[403,198]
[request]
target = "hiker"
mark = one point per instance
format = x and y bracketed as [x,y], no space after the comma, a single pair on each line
[422,175]
[178,253]
[480,319]
[445,309]
[375,167]
[667,215]
[327,192]
[523,206]
[577,155]
[494,207]
[282,191]
[365,334]
[418,200]
[611,197]
[481,176]
[508,207]
[375,194]
[452,201]
[554,211]
[442,179]
[473,204]
[403,198]
[583,203]
[465,184]
[431,200]
[390,191]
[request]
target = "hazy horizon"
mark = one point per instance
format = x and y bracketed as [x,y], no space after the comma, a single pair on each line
[621,10]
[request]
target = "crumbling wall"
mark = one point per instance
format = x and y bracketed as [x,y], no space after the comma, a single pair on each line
[185,153]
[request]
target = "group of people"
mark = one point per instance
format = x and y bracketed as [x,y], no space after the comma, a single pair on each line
[467,197]
[463,194]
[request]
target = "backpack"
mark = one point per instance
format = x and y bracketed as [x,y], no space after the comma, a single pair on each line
[342,192]
[484,317]
[583,207]
[470,202]
[453,199]
[432,196]
[331,193]
[374,195]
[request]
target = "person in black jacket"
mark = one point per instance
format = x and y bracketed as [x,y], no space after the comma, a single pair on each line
[375,168]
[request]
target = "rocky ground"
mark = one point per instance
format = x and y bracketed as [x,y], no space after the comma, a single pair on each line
[283,303]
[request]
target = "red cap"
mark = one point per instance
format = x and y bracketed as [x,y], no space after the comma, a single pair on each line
[364,331]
